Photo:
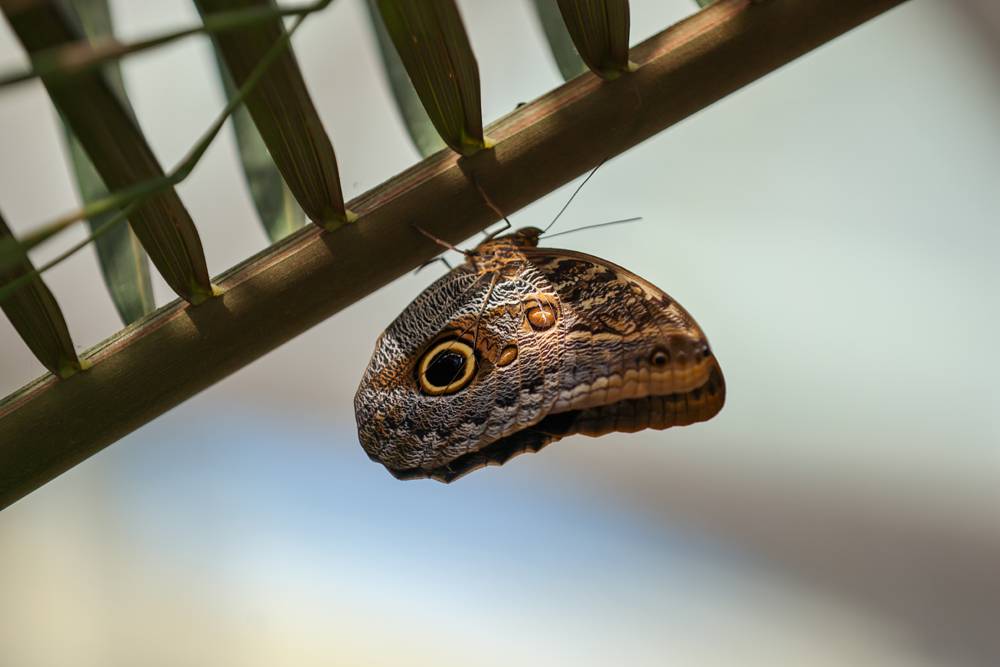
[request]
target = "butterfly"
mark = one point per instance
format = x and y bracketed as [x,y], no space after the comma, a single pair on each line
[521,346]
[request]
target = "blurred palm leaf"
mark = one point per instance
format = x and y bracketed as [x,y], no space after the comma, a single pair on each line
[117,148]
[418,123]
[277,209]
[123,262]
[560,43]
[130,198]
[67,60]
[433,46]
[283,113]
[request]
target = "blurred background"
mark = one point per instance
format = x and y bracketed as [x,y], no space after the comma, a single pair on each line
[833,229]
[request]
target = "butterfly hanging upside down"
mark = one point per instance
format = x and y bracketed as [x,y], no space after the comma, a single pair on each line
[521,346]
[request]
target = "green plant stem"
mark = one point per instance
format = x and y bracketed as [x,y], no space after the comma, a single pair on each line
[66,61]
[49,426]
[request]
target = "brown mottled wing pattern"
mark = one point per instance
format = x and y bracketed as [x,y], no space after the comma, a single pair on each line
[637,358]
[616,325]
[564,343]
[414,434]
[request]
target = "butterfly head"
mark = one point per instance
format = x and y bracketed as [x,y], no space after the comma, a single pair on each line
[526,236]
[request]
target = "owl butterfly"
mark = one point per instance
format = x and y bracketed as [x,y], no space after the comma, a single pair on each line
[521,346]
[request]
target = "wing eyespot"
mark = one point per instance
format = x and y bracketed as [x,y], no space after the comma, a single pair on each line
[507,356]
[541,314]
[446,368]
[660,357]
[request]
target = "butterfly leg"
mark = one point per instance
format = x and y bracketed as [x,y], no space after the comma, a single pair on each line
[440,242]
[439,258]
[493,207]
[490,235]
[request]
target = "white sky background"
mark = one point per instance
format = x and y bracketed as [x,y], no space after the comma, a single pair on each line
[832,227]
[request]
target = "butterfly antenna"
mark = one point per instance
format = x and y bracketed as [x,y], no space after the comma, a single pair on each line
[573,196]
[600,224]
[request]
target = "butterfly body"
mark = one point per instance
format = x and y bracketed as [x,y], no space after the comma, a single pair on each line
[521,346]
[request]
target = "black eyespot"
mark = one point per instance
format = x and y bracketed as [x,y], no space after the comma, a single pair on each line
[445,368]
[660,357]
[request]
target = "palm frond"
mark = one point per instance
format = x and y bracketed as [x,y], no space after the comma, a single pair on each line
[117,149]
[181,349]
[124,264]
[561,45]
[600,31]
[283,113]
[418,124]
[37,318]
[434,48]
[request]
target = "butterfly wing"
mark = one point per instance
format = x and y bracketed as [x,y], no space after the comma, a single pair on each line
[637,358]
[631,358]
[417,431]
[562,343]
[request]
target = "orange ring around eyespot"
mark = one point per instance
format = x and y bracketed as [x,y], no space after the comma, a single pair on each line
[459,383]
